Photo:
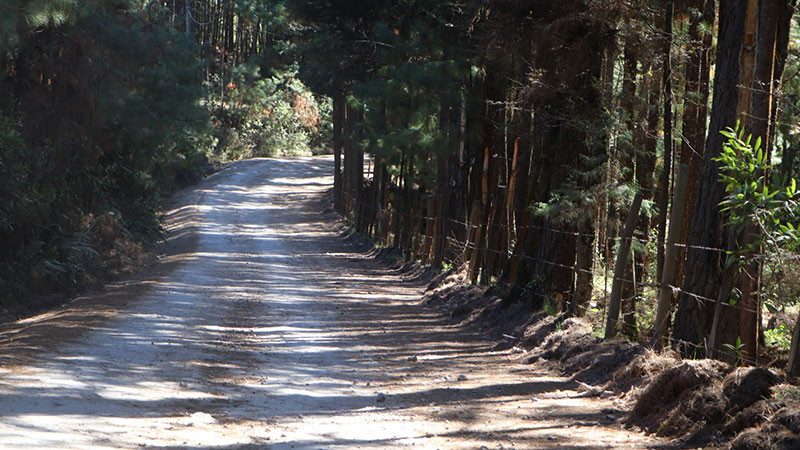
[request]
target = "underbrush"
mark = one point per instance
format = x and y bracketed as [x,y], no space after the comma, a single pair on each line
[100,119]
[103,114]
[266,116]
[56,244]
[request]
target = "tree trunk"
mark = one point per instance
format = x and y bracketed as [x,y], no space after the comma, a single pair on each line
[696,135]
[671,257]
[793,367]
[664,182]
[584,260]
[456,189]
[339,106]
[524,171]
[546,139]
[627,152]
[376,204]
[771,15]
[706,256]
[619,268]
[787,161]
[405,239]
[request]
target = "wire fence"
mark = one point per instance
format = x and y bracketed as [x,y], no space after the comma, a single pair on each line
[468,248]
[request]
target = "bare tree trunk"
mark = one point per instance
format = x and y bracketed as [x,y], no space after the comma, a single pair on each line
[584,260]
[696,135]
[627,151]
[793,367]
[619,268]
[672,253]
[706,256]
[664,182]
[339,106]
[770,14]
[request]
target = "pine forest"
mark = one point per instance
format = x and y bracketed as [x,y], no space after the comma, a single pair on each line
[630,165]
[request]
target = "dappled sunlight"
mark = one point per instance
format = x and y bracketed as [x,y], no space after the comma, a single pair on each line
[264,330]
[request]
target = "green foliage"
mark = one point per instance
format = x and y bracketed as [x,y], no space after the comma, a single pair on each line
[402,101]
[781,285]
[737,349]
[779,337]
[18,18]
[114,122]
[767,207]
[551,307]
[103,110]
[754,198]
[267,116]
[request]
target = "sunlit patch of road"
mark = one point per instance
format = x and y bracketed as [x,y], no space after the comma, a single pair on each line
[265,329]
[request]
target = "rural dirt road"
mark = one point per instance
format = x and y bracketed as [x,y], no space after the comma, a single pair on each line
[263,328]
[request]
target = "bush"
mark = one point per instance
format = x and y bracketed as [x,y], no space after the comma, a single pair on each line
[269,116]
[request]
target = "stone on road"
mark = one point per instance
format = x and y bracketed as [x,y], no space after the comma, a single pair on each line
[263,328]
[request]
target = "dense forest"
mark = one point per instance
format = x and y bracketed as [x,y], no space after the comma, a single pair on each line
[588,157]
[108,106]
[631,161]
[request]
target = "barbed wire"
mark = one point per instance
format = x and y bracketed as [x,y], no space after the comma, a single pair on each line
[425,241]
[552,230]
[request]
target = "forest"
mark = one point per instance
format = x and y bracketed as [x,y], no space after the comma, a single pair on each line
[628,161]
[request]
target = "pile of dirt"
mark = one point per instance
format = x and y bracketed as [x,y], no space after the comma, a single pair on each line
[709,404]
[486,310]
[632,378]
[571,338]
[570,345]
[563,343]
[698,403]
[681,394]
[450,294]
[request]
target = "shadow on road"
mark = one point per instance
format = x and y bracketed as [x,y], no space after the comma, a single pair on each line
[260,316]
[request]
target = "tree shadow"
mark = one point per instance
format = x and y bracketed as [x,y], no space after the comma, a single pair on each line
[259,313]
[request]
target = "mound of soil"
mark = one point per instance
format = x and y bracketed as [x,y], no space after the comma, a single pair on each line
[633,377]
[448,293]
[571,338]
[670,399]
[699,403]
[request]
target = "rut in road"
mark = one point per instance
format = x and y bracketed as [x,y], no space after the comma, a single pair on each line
[263,328]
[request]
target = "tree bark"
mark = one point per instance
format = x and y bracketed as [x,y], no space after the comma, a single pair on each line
[664,181]
[696,135]
[619,268]
[793,367]
[667,280]
[628,151]
[706,256]
[771,14]
[338,138]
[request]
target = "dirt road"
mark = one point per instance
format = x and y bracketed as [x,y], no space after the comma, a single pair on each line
[263,328]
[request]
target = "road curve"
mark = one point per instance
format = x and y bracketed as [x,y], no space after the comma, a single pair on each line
[263,328]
